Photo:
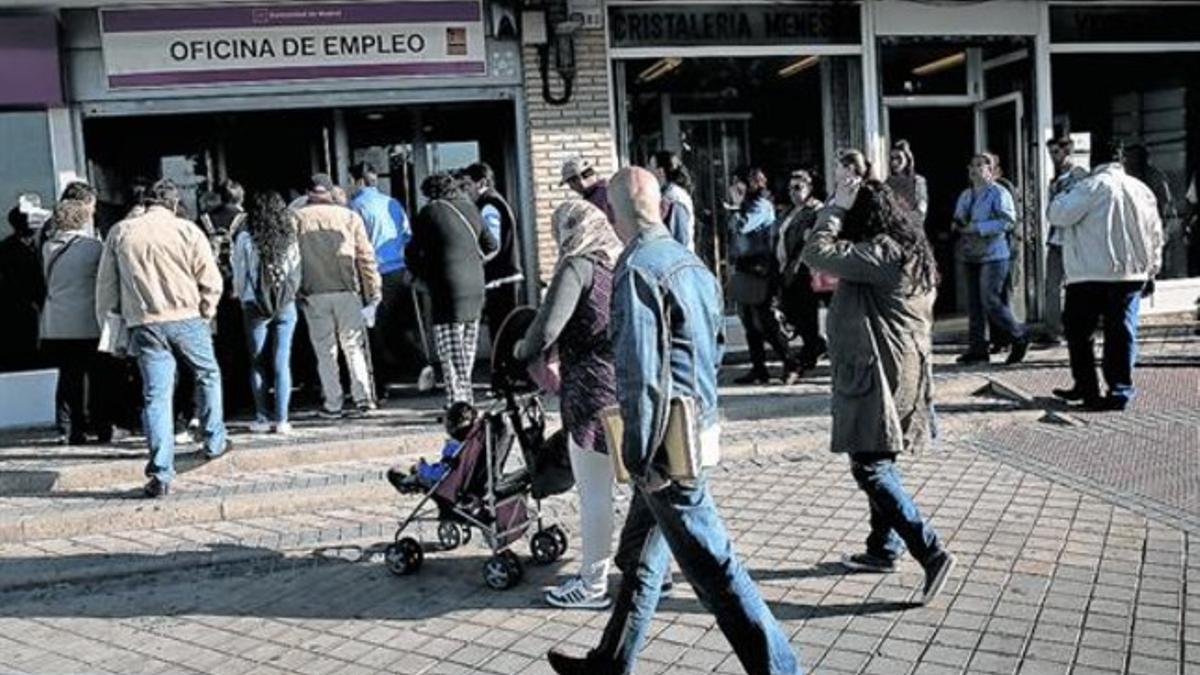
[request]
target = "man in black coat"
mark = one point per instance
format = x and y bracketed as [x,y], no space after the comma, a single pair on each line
[502,272]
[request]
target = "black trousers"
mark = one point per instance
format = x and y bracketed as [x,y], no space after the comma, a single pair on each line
[761,326]
[396,348]
[802,307]
[498,304]
[82,403]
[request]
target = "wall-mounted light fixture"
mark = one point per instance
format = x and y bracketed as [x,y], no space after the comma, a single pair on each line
[938,65]
[799,65]
[545,25]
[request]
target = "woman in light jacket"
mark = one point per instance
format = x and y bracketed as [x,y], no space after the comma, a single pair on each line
[69,332]
[881,351]
[267,243]
[574,318]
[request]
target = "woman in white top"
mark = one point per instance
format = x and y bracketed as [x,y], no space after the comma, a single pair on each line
[266,277]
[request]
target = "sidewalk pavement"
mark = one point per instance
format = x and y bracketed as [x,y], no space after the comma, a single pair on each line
[1073,534]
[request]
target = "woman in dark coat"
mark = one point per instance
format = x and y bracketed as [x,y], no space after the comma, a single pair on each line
[800,305]
[446,253]
[881,352]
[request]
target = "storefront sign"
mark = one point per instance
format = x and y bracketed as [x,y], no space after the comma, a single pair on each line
[29,72]
[254,43]
[1116,23]
[734,24]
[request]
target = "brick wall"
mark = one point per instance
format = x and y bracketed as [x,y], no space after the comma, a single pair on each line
[579,128]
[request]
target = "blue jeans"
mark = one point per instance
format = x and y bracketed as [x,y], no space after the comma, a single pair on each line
[895,519]
[156,346]
[987,302]
[1119,304]
[258,329]
[683,521]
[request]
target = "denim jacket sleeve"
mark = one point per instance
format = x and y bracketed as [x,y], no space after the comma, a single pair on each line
[638,326]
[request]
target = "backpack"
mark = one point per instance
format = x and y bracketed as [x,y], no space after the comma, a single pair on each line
[222,245]
[274,288]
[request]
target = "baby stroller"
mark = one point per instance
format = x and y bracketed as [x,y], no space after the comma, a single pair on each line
[478,492]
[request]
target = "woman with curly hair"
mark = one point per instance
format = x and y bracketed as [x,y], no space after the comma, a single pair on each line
[880,347]
[266,277]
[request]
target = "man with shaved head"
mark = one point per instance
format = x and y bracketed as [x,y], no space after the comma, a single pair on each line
[667,330]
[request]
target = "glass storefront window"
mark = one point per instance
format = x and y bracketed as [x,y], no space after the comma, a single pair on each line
[1152,103]
[924,69]
[720,114]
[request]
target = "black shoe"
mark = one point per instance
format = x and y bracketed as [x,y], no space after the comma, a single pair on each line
[1108,403]
[754,377]
[208,457]
[1072,394]
[575,665]
[325,413]
[865,562]
[998,347]
[1017,352]
[155,489]
[968,358]
[937,571]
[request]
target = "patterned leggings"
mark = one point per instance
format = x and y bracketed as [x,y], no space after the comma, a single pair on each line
[456,344]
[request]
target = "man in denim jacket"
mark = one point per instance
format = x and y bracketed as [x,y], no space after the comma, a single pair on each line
[667,323]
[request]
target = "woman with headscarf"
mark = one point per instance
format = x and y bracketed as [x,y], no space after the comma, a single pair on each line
[574,319]
[909,186]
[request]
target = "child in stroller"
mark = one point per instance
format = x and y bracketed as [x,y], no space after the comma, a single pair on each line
[473,488]
[460,419]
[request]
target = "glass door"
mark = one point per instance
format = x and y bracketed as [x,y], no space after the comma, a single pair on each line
[713,147]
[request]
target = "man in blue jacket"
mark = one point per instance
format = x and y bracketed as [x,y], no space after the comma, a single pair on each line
[667,329]
[391,323]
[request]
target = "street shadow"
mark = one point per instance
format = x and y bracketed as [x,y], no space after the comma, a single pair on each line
[256,582]
[818,571]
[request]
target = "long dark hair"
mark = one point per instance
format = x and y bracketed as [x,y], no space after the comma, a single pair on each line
[876,212]
[270,226]
[674,169]
[755,181]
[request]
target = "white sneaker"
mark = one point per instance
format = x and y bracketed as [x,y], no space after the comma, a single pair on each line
[574,594]
[283,428]
[426,380]
[257,427]
[183,438]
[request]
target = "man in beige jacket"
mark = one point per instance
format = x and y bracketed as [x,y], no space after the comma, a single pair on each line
[340,288]
[158,274]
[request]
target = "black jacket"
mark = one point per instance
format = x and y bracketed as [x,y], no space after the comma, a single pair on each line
[444,253]
[506,266]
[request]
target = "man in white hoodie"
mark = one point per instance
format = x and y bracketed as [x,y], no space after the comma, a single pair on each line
[1112,241]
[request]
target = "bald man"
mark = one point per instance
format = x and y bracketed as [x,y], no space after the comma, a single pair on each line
[667,329]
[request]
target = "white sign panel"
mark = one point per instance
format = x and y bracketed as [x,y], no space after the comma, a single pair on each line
[254,43]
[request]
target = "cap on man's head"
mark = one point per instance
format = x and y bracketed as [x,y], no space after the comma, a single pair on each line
[574,167]
[320,183]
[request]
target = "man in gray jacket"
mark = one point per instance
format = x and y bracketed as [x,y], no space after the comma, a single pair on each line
[157,273]
[1112,249]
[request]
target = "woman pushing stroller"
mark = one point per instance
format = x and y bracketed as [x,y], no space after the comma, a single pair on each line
[573,319]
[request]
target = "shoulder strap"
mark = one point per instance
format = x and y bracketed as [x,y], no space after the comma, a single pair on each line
[57,255]
[466,223]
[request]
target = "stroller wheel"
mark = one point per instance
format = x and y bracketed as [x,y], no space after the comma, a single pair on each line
[502,571]
[404,557]
[451,535]
[545,548]
[561,537]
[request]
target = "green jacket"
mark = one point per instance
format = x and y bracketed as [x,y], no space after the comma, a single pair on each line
[879,342]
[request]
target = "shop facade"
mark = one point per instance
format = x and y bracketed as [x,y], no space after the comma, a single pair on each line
[785,85]
[268,93]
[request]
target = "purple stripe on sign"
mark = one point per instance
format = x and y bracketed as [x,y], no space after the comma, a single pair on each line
[296,73]
[265,16]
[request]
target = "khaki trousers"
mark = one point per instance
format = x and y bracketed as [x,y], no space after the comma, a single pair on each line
[336,319]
